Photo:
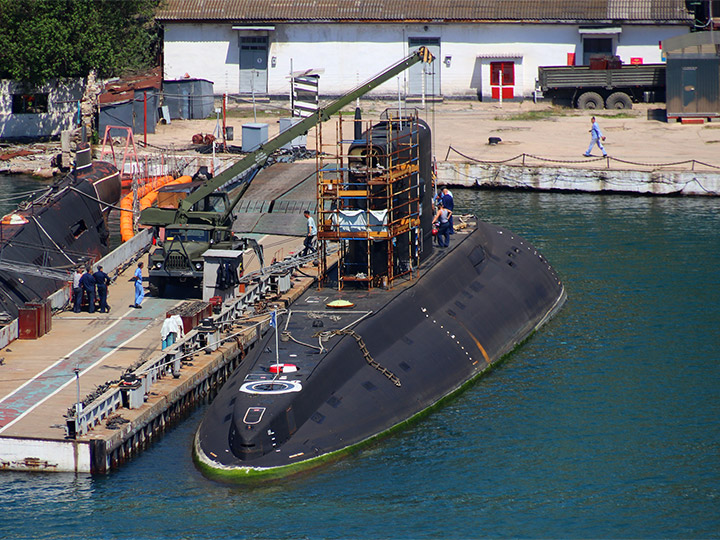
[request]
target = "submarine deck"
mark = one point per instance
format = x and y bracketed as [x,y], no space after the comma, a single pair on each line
[478,299]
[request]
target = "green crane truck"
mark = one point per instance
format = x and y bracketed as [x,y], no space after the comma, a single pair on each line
[204,218]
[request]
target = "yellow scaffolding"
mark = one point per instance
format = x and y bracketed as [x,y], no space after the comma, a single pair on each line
[368,193]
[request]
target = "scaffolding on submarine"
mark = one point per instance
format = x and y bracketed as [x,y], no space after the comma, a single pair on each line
[369,199]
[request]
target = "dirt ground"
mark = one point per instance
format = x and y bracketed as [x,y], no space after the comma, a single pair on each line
[540,134]
[545,134]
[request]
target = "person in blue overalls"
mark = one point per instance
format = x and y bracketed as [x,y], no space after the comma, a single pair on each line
[139,291]
[596,137]
[87,282]
[449,204]
[102,280]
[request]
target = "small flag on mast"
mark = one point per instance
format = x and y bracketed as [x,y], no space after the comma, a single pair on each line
[273,319]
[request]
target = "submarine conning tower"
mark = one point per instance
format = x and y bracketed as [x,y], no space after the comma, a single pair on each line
[375,199]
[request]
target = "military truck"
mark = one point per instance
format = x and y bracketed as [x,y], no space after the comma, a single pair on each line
[178,258]
[608,85]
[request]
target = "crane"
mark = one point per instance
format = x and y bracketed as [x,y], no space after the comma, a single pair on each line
[204,217]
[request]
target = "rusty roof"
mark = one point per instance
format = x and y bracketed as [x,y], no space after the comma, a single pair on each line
[123,89]
[274,11]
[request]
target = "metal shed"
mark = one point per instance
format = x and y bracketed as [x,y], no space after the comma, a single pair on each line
[189,98]
[693,75]
[128,110]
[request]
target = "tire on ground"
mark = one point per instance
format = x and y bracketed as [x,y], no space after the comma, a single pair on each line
[590,100]
[618,100]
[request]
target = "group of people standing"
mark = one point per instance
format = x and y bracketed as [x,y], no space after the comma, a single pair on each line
[90,285]
[443,221]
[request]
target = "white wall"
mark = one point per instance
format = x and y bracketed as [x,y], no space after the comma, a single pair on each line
[352,53]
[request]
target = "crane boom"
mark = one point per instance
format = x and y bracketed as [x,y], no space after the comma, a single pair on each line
[257,158]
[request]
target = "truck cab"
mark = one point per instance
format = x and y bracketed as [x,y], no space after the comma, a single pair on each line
[177,256]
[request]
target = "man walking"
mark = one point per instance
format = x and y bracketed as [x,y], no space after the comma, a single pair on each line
[596,137]
[102,280]
[310,234]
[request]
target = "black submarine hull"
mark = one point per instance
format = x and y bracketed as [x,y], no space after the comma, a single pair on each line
[64,227]
[392,357]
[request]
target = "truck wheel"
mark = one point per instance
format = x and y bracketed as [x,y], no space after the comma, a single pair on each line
[618,100]
[590,100]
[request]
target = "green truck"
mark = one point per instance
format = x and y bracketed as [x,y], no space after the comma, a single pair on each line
[611,85]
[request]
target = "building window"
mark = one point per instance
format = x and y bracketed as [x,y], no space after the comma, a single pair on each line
[29,103]
[254,43]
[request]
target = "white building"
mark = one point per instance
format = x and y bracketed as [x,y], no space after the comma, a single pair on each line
[484,47]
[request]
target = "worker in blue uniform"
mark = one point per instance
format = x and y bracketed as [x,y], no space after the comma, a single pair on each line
[449,204]
[102,280]
[87,282]
[139,291]
[596,137]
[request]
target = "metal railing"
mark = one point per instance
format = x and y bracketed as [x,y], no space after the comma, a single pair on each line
[207,337]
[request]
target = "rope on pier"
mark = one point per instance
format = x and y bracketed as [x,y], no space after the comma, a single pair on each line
[608,159]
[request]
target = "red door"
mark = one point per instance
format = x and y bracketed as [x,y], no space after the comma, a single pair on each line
[502,78]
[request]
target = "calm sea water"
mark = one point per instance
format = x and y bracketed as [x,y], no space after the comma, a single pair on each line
[605,424]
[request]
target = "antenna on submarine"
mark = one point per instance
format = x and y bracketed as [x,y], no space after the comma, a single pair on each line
[357,125]
[273,322]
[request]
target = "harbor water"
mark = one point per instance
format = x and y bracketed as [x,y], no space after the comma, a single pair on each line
[604,424]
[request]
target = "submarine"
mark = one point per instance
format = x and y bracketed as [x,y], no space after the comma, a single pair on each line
[395,326]
[52,233]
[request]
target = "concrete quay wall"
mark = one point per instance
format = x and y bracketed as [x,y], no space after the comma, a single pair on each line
[43,455]
[595,180]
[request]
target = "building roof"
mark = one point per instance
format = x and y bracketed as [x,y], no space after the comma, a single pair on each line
[434,11]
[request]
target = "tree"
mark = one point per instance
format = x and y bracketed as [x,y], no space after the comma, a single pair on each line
[44,39]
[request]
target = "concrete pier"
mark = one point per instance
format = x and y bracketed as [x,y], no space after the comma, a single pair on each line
[92,354]
[604,176]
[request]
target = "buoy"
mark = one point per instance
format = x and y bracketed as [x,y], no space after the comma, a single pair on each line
[339,304]
[14,219]
[283,368]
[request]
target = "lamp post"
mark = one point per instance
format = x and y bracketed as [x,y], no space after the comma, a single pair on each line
[77,402]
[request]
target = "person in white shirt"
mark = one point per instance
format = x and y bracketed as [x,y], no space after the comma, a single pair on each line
[172,330]
[310,234]
[77,290]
